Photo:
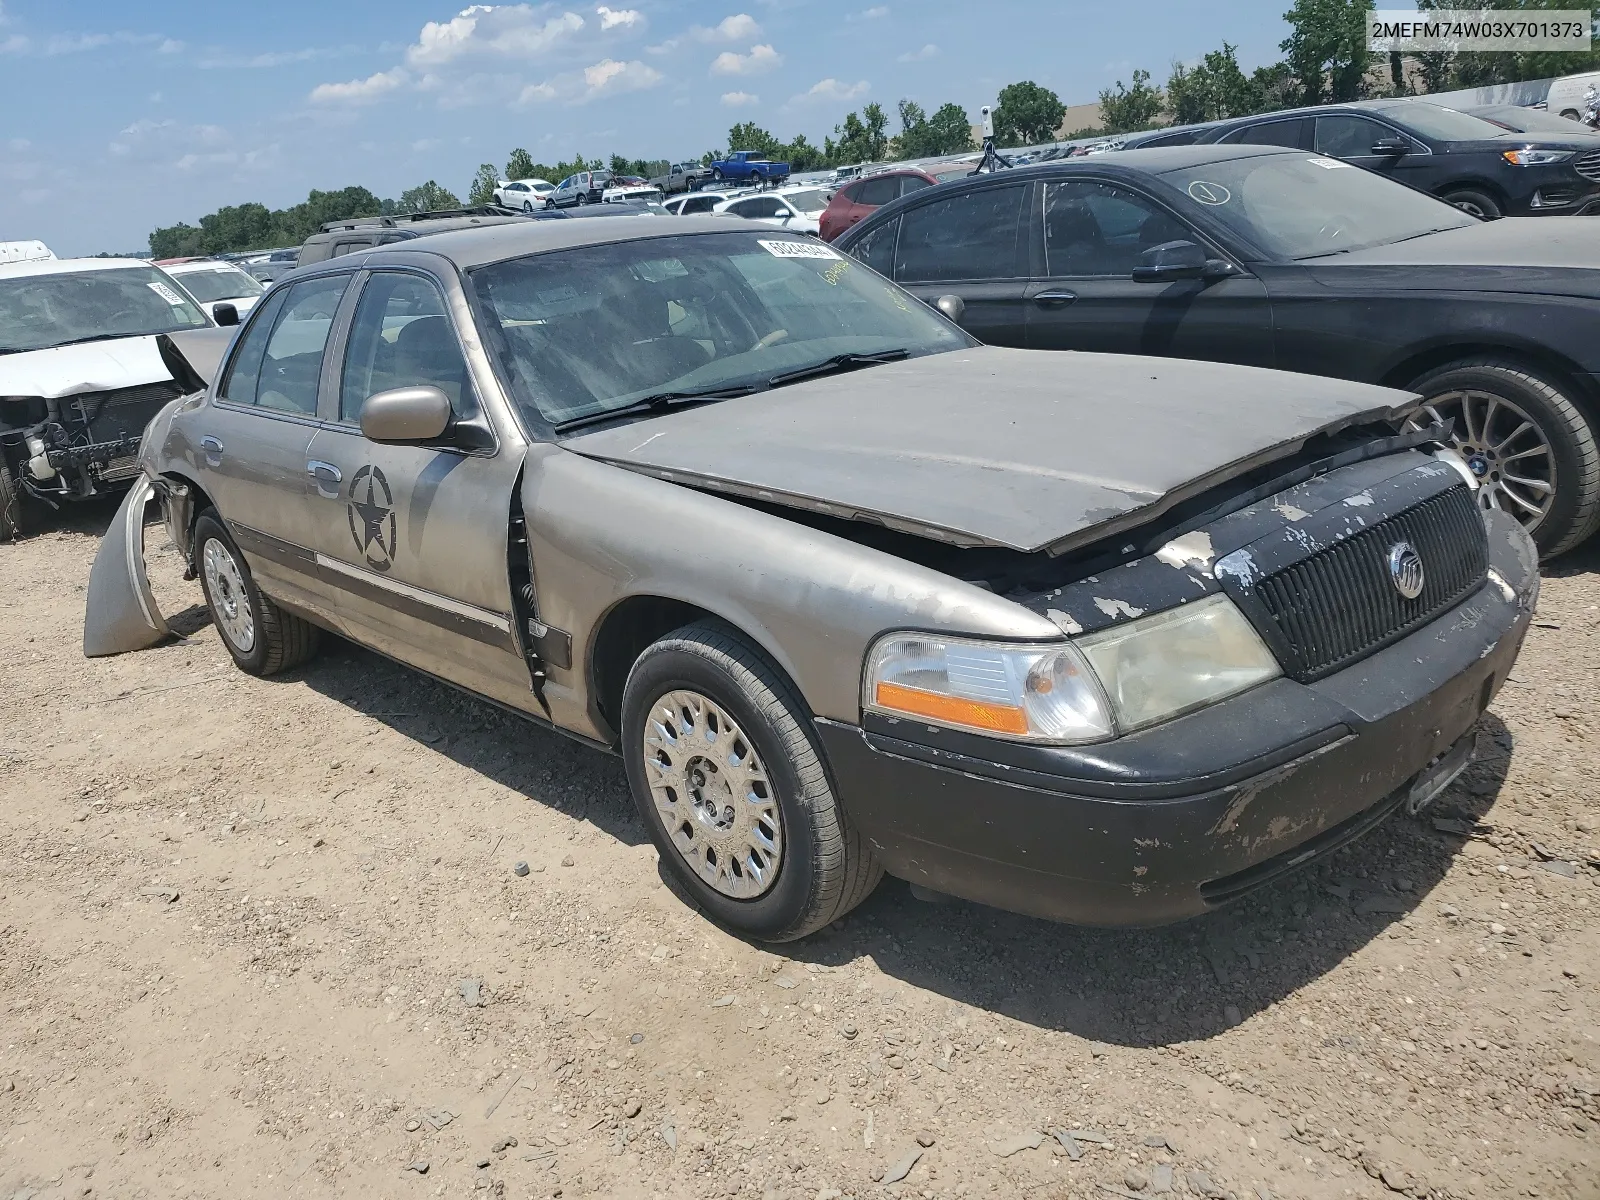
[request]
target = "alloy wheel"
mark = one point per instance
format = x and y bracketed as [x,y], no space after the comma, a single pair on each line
[230,602]
[1503,447]
[713,795]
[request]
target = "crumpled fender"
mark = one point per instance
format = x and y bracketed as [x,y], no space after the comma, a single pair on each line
[120,613]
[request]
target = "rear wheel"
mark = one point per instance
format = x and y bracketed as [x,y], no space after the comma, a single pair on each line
[262,638]
[527,206]
[716,175]
[1479,204]
[583,197]
[1532,449]
[723,766]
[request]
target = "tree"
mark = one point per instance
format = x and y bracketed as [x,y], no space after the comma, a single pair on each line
[862,138]
[1212,90]
[1327,51]
[427,197]
[1129,108]
[521,165]
[483,185]
[747,135]
[921,136]
[801,155]
[1027,113]
[255,227]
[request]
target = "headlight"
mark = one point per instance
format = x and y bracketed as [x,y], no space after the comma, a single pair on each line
[1022,692]
[1536,158]
[1159,667]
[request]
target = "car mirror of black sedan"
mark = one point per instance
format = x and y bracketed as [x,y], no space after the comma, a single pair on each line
[1169,261]
[407,414]
[1391,146]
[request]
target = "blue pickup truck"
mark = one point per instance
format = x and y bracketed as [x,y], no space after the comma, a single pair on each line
[747,166]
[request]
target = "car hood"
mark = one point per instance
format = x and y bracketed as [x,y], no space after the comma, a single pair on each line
[1533,255]
[1030,450]
[87,367]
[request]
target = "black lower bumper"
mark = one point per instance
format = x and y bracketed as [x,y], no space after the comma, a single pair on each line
[1128,843]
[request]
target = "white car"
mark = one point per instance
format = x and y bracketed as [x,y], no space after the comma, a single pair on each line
[794,208]
[615,192]
[29,251]
[526,194]
[211,282]
[693,203]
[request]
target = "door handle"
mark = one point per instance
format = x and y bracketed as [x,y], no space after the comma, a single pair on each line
[327,476]
[210,445]
[1054,299]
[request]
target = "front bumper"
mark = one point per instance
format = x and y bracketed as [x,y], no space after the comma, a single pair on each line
[1177,820]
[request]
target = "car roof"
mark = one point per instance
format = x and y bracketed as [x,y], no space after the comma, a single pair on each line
[198,264]
[417,228]
[1156,160]
[66,266]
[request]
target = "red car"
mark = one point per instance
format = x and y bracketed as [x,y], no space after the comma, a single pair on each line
[855,200]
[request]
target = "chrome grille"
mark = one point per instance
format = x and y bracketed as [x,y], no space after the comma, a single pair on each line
[1325,612]
[1588,165]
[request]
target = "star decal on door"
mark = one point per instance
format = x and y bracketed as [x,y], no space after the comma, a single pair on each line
[372,520]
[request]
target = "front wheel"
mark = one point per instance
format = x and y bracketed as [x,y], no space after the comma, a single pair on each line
[262,638]
[1532,449]
[730,782]
[1479,204]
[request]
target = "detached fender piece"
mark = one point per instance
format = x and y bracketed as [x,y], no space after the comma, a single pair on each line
[120,614]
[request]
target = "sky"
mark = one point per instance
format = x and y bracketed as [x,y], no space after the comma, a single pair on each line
[117,118]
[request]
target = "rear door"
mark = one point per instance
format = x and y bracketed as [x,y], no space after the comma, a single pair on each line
[1095,233]
[972,245]
[413,538]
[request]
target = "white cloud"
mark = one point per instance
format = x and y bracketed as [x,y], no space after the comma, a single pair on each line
[739,99]
[761,58]
[610,18]
[927,52]
[170,46]
[511,31]
[832,90]
[741,27]
[608,77]
[423,145]
[360,91]
[874,13]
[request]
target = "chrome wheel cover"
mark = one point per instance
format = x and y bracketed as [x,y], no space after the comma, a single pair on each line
[1503,447]
[230,602]
[713,795]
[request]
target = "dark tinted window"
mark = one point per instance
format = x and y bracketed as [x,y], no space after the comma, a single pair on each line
[877,248]
[877,191]
[285,376]
[912,183]
[1344,136]
[1098,229]
[1183,138]
[759,206]
[699,204]
[401,337]
[1270,133]
[971,236]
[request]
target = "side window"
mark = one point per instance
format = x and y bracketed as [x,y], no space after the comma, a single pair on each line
[343,248]
[877,191]
[401,337]
[1099,229]
[1271,133]
[1346,137]
[761,206]
[912,183]
[972,236]
[292,365]
[244,372]
[700,204]
[877,248]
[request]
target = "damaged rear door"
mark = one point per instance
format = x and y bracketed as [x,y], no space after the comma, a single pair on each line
[412,539]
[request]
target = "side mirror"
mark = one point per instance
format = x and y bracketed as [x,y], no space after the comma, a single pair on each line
[1391,147]
[1169,261]
[408,414]
[224,313]
[953,307]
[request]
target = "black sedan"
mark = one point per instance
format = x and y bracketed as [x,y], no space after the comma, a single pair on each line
[1474,164]
[1281,258]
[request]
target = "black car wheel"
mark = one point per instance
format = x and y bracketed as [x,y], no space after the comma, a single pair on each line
[15,507]
[262,638]
[1479,204]
[1532,449]
[730,782]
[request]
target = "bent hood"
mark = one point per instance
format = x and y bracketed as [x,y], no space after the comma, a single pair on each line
[89,367]
[1023,449]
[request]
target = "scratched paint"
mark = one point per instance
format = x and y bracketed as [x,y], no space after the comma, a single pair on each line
[1113,608]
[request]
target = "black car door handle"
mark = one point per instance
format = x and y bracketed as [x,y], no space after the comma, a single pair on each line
[1055,299]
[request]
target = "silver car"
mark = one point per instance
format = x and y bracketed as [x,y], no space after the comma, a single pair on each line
[1100,638]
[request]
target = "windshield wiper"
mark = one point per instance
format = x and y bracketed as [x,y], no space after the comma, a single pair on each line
[656,403]
[838,363]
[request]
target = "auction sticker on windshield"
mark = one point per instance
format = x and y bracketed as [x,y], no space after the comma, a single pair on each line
[797,249]
[166,293]
[1330,164]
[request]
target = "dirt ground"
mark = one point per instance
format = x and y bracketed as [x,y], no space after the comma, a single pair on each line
[265,939]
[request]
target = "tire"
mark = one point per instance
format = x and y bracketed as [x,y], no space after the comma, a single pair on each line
[1479,204]
[716,175]
[1571,114]
[1570,464]
[823,867]
[583,198]
[15,508]
[550,205]
[527,206]
[277,639]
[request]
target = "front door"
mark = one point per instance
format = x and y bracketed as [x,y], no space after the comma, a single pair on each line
[1095,234]
[1351,139]
[972,245]
[414,537]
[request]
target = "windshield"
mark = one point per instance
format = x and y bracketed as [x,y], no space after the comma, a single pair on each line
[599,328]
[39,311]
[1443,123]
[220,282]
[810,201]
[1531,120]
[1303,205]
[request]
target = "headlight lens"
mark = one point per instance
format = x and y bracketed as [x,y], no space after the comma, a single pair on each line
[1536,158]
[1026,693]
[1159,667]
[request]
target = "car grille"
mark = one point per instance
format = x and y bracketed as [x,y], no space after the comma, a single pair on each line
[123,412]
[1327,611]
[1588,165]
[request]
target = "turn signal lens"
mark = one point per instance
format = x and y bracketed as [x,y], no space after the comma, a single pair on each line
[1026,692]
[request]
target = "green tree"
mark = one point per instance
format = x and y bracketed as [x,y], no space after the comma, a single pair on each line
[1129,108]
[176,241]
[862,138]
[1027,113]
[801,155]
[922,136]
[521,165]
[1212,90]
[427,197]
[747,135]
[1326,51]
[483,185]
[876,123]
[255,227]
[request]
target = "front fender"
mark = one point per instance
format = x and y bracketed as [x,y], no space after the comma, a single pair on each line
[120,612]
